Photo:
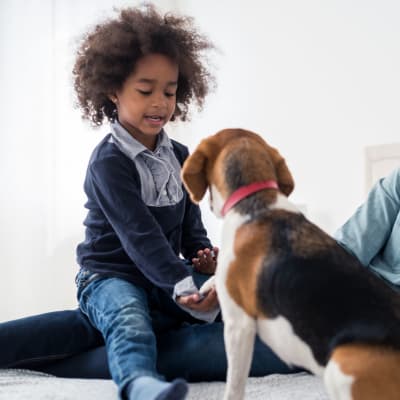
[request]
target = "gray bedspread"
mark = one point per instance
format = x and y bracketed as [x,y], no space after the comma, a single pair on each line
[23,385]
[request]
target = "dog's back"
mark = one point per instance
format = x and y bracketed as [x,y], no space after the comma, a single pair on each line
[348,317]
[327,295]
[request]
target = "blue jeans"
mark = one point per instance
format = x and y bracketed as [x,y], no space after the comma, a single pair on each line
[65,344]
[129,317]
[120,310]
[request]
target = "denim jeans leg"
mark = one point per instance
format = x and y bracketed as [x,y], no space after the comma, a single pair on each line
[39,340]
[120,310]
[193,352]
[196,352]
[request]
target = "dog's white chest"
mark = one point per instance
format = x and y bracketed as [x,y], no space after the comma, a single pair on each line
[225,257]
[226,254]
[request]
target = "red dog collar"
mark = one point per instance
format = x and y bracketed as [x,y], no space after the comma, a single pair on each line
[246,191]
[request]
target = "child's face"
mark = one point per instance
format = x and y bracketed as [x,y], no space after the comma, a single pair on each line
[147,99]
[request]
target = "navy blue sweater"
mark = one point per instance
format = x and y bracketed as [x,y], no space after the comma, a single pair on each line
[126,238]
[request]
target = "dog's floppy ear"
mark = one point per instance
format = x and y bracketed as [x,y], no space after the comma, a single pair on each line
[285,179]
[194,175]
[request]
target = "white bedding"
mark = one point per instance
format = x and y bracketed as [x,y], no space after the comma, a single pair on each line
[23,385]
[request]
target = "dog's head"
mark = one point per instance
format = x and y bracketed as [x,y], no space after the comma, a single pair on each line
[230,159]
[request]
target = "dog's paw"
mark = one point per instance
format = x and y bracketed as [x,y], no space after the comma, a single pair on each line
[207,285]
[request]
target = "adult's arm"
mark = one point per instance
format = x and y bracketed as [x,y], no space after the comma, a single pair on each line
[367,231]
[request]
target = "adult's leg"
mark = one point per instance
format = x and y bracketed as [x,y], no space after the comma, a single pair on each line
[193,352]
[38,340]
[197,353]
[91,364]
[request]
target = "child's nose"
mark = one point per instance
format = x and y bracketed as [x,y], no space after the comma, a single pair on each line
[159,100]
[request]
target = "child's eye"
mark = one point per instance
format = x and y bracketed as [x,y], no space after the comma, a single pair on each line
[170,94]
[144,92]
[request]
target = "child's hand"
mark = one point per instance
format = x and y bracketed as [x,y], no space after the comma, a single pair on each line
[206,261]
[194,302]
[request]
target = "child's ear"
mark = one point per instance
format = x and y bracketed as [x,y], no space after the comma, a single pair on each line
[284,177]
[194,175]
[113,98]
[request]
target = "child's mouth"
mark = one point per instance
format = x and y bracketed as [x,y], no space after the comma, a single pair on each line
[154,118]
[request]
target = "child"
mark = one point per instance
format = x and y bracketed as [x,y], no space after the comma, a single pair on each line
[139,71]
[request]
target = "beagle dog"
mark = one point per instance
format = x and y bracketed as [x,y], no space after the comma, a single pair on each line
[283,278]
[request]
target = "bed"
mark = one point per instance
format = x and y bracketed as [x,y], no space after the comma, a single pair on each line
[24,384]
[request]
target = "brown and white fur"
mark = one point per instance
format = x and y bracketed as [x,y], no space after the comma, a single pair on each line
[281,277]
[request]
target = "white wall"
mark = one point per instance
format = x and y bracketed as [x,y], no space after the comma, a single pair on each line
[44,150]
[318,79]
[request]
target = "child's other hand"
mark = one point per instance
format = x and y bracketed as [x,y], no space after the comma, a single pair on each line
[194,301]
[206,261]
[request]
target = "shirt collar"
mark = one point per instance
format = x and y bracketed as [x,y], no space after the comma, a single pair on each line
[130,146]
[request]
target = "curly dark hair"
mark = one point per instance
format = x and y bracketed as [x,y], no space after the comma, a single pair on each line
[108,54]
